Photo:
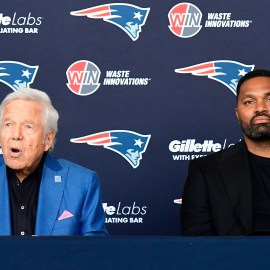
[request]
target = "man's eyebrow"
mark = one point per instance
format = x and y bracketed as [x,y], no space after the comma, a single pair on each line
[252,96]
[5,118]
[247,96]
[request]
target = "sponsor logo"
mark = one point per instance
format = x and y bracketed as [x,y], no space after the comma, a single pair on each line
[186,20]
[84,79]
[121,213]
[17,75]
[19,24]
[224,20]
[122,77]
[129,18]
[191,149]
[129,144]
[226,72]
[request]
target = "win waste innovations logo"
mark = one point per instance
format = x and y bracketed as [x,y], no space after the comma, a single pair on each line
[186,20]
[84,78]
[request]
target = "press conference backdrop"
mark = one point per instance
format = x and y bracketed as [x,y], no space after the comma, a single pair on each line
[142,87]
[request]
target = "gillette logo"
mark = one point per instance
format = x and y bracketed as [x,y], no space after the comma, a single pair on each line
[199,149]
[124,213]
[17,24]
[23,20]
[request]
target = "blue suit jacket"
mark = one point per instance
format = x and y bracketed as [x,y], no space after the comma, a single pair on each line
[64,186]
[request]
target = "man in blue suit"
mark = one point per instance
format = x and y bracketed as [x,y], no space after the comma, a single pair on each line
[41,194]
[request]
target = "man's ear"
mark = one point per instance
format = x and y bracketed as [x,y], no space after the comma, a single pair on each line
[236,112]
[49,140]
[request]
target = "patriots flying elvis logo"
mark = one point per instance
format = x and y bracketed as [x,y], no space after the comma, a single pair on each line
[178,201]
[130,145]
[224,71]
[17,75]
[129,18]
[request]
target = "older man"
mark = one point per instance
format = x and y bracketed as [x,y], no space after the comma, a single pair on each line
[41,194]
[228,193]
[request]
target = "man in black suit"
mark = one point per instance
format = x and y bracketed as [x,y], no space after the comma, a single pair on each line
[228,193]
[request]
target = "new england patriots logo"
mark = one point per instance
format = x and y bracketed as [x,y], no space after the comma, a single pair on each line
[16,74]
[178,201]
[224,71]
[130,145]
[129,18]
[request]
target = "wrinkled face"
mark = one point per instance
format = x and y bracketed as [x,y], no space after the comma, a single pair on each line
[253,108]
[21,136]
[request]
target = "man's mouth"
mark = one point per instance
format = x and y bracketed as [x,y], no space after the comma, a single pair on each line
[261,120]
[15,152]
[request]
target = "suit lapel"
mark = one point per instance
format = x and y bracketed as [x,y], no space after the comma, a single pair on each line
[5,224]
[50,195]
[236,175]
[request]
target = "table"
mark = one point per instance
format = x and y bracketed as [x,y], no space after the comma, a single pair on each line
[79,253]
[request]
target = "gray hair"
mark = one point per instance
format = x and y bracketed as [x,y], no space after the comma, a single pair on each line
[50,114]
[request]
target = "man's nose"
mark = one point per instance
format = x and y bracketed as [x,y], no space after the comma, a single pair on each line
[262,106]
[17,134]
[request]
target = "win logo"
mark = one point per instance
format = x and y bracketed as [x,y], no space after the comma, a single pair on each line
[185,20]
[83,78]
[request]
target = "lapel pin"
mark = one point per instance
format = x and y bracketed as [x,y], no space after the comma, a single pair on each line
[57,178]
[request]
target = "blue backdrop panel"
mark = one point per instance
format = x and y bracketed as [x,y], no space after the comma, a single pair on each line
[141,87]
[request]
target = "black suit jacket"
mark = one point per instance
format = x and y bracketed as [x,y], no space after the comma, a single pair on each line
[217,197]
